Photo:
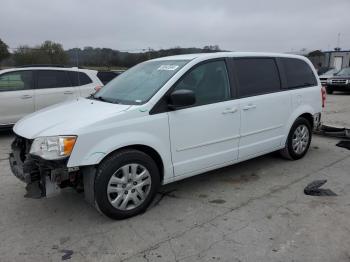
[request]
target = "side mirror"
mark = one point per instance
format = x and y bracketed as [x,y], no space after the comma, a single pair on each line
[181,98]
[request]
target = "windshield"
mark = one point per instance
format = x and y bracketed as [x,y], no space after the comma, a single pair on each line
[344,72]
[138,84]
[331,72]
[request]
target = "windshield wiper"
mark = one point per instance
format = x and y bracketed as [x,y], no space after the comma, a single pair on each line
[100,98]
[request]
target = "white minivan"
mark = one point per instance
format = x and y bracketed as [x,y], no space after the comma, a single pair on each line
[168,119]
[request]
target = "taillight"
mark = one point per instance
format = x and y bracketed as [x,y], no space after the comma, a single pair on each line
[323,95]
[97,88]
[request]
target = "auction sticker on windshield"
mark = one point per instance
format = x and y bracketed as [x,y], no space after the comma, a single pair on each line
[168,67]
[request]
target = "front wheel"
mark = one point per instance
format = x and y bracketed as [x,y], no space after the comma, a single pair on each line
[126,183]
[299,139]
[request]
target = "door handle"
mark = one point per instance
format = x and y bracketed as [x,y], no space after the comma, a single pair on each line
[26,96]
[229,111]
[68,92]
[248,107]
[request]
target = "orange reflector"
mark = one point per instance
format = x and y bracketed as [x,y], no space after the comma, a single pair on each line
[68,143]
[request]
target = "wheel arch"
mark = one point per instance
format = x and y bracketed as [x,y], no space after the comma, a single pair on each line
[305,112]
[145,149]
[309,117]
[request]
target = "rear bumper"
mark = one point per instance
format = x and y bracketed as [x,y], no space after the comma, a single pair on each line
[317,121]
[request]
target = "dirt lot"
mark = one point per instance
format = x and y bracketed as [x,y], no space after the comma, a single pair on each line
[253,211]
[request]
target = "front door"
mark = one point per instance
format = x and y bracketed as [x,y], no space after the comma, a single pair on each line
[16,96]
[206,135]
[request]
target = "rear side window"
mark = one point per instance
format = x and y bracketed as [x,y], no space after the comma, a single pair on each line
[52,79]
[298,73]
[15,81]
[257,76]
[105,77]
[78,78]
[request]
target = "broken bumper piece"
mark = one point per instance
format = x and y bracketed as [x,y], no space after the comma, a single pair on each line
[43,178]
[340,132]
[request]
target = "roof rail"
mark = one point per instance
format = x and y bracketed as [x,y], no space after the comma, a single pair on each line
[45,65]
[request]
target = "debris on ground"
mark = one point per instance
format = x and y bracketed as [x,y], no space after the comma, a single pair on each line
[67,254]
[340,132]
[313,189]
[344,144]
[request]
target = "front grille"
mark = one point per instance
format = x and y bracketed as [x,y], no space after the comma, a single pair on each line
[338,81]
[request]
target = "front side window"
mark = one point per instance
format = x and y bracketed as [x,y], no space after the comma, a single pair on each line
[14,81]
[298,73]
[257,76]
[208,81]
[138,84]
[52,79]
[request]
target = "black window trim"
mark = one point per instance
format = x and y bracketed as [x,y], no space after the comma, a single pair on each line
[15,71]
[162,105]
[234,73]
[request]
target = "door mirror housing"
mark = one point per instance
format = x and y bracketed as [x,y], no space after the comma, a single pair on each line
[181,98]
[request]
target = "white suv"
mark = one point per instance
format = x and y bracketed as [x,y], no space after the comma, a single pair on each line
[28,89]
[167,119]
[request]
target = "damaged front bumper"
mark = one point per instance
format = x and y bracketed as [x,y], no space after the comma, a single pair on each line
[44,178]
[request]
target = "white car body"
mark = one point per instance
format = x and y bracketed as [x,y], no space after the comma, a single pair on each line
[188,141]
[15,104]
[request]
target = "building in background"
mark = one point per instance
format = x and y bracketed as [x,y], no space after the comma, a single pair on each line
[337,59]
[330,59]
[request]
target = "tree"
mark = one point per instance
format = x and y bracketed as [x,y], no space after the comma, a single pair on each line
[52,53]
[47,53]
[4,52]
[316,53]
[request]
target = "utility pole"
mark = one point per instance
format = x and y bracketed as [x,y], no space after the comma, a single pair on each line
[338,43]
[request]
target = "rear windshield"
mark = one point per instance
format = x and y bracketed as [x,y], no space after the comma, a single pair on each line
[138,84]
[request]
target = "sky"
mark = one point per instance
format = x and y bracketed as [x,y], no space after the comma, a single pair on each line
[246,25]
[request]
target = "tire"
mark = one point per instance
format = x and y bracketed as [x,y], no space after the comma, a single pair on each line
[329,90]
[296,152]
[125,184]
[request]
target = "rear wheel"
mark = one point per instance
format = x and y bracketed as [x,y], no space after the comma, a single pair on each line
[126,183]
[299,139]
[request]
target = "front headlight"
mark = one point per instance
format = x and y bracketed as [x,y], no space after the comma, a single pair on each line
[53,147]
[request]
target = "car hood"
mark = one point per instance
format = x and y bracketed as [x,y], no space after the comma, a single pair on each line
[66,118]
[325,76]
[340,77]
